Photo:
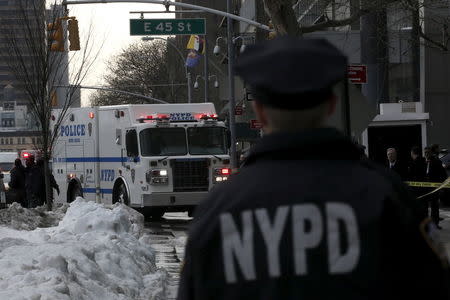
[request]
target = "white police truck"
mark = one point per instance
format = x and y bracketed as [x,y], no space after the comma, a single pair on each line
[152,157]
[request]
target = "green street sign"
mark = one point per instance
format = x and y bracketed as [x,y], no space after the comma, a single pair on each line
[167,26]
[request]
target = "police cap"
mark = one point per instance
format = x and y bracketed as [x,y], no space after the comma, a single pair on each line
[290,72]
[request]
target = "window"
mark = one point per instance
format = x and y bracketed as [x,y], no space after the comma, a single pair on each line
[2,141]
[131,143]
[163,141]
[207,140]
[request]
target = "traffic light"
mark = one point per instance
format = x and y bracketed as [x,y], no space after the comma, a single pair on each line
[56,36]
[74,36]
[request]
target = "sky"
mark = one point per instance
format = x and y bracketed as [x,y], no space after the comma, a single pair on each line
[110,25]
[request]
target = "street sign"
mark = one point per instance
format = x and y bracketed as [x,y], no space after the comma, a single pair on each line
[167,26]
[357,74]
[255,124]
[238,110]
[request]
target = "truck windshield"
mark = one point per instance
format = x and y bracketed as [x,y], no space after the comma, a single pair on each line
[163,141]
[207,140]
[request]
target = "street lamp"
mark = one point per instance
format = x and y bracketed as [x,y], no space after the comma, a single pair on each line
[216,82]
[196,84]
[217,48]
[188,74]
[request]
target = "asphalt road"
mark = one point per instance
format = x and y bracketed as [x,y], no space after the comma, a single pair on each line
[168,238]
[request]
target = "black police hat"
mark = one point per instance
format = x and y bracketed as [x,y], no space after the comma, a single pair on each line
[290,72]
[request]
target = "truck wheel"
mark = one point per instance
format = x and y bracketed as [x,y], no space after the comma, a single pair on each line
[74,192]
[120,194]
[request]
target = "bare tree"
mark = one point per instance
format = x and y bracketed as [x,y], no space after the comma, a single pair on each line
[286,16]
[39,69]
[145,68]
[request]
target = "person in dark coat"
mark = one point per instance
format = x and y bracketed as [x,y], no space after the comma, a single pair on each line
[395,164]
[53,184]
[416,173]
[307,217]
[417,165]
[33,183]
[17,183]
[434,172]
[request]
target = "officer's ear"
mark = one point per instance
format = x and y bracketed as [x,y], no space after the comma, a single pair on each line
[260,113]
[331,105]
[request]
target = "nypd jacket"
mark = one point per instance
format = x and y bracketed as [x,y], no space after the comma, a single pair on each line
[309,218]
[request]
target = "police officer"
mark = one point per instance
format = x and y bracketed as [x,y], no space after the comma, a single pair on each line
[307,217]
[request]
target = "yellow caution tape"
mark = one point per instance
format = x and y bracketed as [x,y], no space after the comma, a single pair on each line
[427,184]
[438,186]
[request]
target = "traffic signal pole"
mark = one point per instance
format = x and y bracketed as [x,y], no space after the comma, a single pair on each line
[231,100]
[168,3]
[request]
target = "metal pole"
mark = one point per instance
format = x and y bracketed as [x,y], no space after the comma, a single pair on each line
[206,73]
[231,102]
[165,2]
[189,81]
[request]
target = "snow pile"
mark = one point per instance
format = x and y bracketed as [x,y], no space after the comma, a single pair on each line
[94,253]
[17,217]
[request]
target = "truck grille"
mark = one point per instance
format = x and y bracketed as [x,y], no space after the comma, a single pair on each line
[190,175]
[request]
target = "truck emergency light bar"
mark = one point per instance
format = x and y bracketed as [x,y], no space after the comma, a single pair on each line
[163,117]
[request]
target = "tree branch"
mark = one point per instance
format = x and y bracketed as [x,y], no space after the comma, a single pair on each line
[440,46]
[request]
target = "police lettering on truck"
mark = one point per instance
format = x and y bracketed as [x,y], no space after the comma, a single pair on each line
[153,157]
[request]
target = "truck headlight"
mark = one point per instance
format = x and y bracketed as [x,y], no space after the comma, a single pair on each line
[157,177]
[221,174]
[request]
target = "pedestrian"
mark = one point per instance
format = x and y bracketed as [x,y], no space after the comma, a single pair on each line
[416,173]
[33,183]
[395,164]
[17,183]
[3,203]
[417,165]
[300,221]
[53,184]
[434,172]
[435,150]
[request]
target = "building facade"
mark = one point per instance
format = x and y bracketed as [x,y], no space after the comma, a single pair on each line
[406,76]
[18,125]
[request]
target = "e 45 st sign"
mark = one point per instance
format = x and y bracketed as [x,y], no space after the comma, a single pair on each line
[167,26]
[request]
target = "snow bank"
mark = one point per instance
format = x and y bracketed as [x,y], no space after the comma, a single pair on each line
[17,217]
[94,253]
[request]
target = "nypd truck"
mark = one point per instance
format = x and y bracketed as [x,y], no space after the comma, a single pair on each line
[152,157]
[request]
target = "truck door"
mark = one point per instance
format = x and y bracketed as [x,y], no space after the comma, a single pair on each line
[89,178]
[132,161]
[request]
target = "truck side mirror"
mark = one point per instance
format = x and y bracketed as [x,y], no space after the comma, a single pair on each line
[131,143]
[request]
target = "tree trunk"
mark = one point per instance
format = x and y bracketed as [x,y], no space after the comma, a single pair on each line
[282,16]
[48,186]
